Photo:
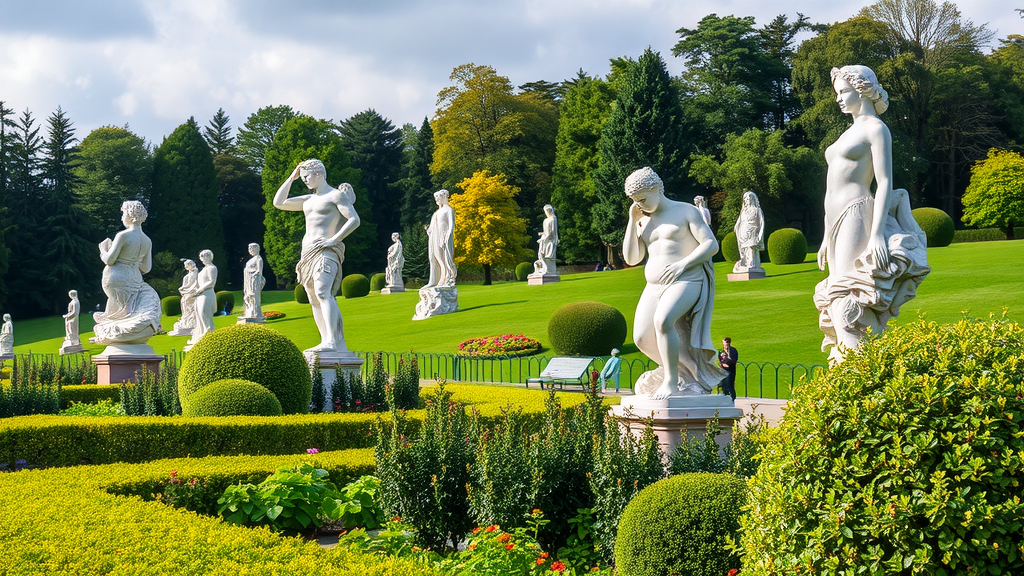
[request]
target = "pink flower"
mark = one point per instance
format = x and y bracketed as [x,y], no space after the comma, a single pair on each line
[312,451]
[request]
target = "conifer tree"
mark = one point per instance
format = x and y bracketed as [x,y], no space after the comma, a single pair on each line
[417,186]
[241,213]
[113,165]
[218,134]
[258,132]
[6,142]
[24,235]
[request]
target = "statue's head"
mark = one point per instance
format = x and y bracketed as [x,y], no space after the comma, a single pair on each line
[7,317]
[206,257]
[348,192]
[73,293]
[615,351]
[750,199]
[549,209]
[254,249]
[645,188]
[441,197]
[313,166]
[699,202]
[189,264]
[864,81]
[133,212]
[394,236]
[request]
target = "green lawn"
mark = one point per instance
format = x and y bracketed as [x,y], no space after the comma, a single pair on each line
[771,320]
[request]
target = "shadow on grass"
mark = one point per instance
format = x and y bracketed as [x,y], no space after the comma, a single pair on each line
[493,304]
[797,272]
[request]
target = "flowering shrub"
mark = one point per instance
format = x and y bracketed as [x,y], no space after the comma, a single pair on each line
[491,550]
[294,498]
[192,494]
[272,315]
[105,407]
[503,345]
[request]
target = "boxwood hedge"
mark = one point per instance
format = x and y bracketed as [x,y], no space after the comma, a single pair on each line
[233,397]
[88,394]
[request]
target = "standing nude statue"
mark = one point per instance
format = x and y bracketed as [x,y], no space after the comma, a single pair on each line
[205,299]
[252,286]
[7,337]
[72,340]
[672,325]
[749,229]
[330,218]
[702,205]
[547,244]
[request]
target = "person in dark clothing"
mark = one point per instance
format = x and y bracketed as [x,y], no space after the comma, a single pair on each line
[727,360]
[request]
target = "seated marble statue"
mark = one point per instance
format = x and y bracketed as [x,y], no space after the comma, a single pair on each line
[872,248]
[441,243]
[749,231]
[7,337]
[672,325]
[71,334]
[702,205]
[396,261]
[132,314]
[205,298]
[330,217]
[253,283]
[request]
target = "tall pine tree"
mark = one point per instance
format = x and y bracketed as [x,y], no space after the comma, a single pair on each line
[417,186]
[218,134]
[25,237]
[6,142]
[241,213]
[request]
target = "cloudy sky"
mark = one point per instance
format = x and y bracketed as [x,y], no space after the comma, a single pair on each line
[152,64]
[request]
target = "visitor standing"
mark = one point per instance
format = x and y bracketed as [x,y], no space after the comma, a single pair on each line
[727,360]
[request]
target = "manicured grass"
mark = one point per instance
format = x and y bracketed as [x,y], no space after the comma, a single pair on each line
[770,320]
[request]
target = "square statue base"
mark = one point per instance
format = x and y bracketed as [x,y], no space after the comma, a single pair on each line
[541,279]
[392,289]
[180,332]
[748,275]
[436,301]
[332,365]
[121,362]
[678,415]
[247,320]
[68,348]
[5,357]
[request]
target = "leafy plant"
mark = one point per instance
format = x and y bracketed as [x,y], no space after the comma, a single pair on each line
[104,407]
[703,454]
[152,394]
[34,389]
[360,504]
[294,499]
[582,550]
[193,494]
[395,538]
[492,550]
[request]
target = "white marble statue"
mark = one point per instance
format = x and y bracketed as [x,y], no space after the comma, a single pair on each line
[672,325]
[873,249]
[330,218]
[749,231]
[547,245]
[132,314]
[252,287]
[183,327]
[72,340]
[205,299]
[702,205]
[7,337]
[440,296]
[396,261]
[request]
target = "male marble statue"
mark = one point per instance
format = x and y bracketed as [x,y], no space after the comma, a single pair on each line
[441,243]
[72,340]
[702,205]
[133,311]
[330,218]
[672,325]
[547,243]
[252,285]
[874,255]
[183,327]
[396,261]
[7,337]
[749,231]
[205,299]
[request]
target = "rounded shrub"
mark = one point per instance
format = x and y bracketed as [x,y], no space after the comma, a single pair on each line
[937,226]
[730,248]
[680,525]
[233,397]
[787,246]
[251,352]
[378,281]
[355,286]
[300,294]
[171,305]
[586,329]
[225,301]
[523,269]
[904,457]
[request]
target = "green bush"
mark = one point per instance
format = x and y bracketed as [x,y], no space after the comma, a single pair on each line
[355,286]
[225,301]
[904,458]
[152,394]
[171,305]
[937,226]
[978,235]
[787,246]
[88,394]
[251,352]
[233,397]
[523,269]
[586,329]
[730,248]
[378,281]
[300,294]
[680,525]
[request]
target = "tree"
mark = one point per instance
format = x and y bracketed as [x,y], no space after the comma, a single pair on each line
[417,186]
[6,143]
[24,236]
[497,235]
[184,215]
[1007,82]
[218,134]
[113,165]
[300,139]
[995,196]
[258,132]
[240,196]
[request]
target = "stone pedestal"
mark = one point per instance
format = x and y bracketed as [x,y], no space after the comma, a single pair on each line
[5,357]
[545,271]
[392,289]
[751,274]
[678,415]
[180,332]
[436,301]
[247,320]
[121,362]
[332,365]
[71,348]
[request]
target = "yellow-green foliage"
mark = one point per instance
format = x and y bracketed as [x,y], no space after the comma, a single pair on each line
[995,196]
[937,225]
[68,521]
[498,235]
[233,397]
[88,394]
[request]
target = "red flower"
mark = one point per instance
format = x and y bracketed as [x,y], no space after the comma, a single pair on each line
[504,537]
[472,546]
[540,561]
[509,546]
[733,572]
[491,528]
[475,530]
[558,566]
[544,555]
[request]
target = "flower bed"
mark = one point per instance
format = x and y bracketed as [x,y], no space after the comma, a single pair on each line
[514,345]
[272,315]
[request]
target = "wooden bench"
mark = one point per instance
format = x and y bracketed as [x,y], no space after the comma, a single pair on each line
[564,370]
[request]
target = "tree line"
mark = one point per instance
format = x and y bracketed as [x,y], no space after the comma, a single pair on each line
[754,110]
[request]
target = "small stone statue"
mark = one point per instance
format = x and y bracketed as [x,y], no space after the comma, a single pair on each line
[749,230]
[544,269]
[7,338]
[205,299]
[72,341]
[252,294]
[702,205]
[183,327]
[393,272]
[440,296]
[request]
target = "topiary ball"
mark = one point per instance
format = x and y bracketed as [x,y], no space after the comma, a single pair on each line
[906,456]
[523,269]
[730,247]
[378,281]
[787,246]
[225,301]
[251,352]
[586,329]
[300,294]
[937,226]
[680,525]
[171,305]
[355,286]
[232,397]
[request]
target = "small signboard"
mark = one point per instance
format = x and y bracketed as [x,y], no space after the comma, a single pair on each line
[566,368]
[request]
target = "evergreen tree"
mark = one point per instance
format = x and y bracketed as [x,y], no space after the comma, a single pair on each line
[114,165]
[241,214]
[25,237]
[417,187]
[6,143]
[218,134]
[184,216]
[258,132]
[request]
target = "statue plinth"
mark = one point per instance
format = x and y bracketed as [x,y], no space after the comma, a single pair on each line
[541,279]
[392,289]
[122,362]
[435,301]
[333,364]
[545,271]
[751,274]
[678,415]
[71,348]
[248,320]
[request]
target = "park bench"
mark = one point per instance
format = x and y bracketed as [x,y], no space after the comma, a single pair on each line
[564,370]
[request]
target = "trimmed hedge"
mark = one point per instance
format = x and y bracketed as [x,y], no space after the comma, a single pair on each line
[978,235]
[251,352]
[233,397]
[226,300]
[88,394]
[586,329]
[523,269]
[787,246]
[77,521]
[937,226]
[730,248]
[355,286]
[171,305]
[300,294]
[378,281]
[680,525]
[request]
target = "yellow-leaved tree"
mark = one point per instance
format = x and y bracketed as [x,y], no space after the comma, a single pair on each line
[489,231]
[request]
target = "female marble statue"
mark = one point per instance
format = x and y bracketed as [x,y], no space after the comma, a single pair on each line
[548,241]
[71,336]
[873,253]
[252,294]
[749,231]
[702,206]
[441,243]
[7,337]
[396,261]
[183,327]
[132,314]
[206,298]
